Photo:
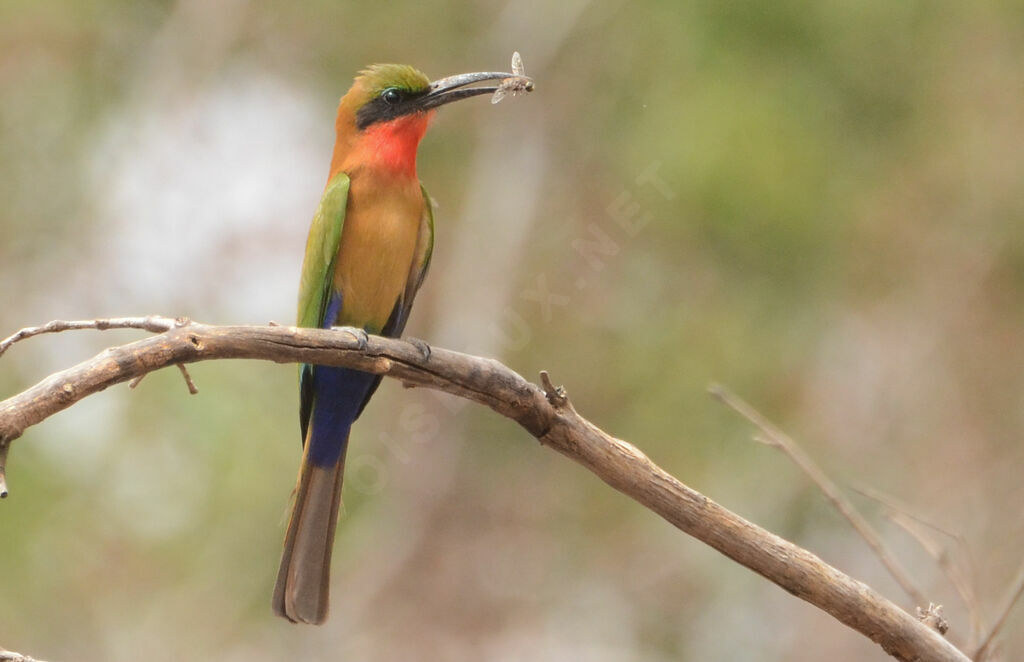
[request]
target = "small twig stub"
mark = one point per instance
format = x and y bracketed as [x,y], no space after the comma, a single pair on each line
[933,618]
[556,395]
[192,389]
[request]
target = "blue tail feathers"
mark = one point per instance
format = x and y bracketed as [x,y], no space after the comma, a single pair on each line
[338,397]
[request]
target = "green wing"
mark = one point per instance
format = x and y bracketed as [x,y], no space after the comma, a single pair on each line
[317,276]
[321,249]
[424,251]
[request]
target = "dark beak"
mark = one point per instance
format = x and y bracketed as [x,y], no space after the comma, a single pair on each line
[454,88]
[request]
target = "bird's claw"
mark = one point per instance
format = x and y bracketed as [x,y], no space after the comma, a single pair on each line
[362,339]
[421,345]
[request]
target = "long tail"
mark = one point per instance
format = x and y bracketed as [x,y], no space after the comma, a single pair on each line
[301,593]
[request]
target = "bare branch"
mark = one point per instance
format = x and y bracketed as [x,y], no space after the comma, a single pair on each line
[154,323]
[772,436]
[1012,597]
[546,413]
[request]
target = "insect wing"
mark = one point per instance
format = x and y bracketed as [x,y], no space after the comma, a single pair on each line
[517,64]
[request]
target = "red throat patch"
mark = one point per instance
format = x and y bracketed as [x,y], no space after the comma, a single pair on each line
[392,145]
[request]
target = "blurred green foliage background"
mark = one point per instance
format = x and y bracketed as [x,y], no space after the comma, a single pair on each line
[820,205]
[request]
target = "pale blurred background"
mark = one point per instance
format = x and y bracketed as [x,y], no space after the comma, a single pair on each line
[820,205]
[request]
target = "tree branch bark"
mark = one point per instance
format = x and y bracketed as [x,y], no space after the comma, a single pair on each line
[546,413]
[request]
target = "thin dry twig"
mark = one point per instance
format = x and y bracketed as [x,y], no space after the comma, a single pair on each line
[189,384]
[772,436]
[1012,597]
[192,389]
[154,323]
[546,413]
[958,568]
[893,505]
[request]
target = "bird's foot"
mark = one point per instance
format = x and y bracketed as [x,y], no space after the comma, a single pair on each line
[359,334]
[420,345]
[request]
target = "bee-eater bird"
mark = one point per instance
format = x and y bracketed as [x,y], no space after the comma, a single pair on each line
[368,250]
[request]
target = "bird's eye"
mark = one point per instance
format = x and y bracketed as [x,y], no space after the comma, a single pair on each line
[391,96]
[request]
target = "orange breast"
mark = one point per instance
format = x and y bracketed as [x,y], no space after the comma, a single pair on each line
[377,247]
